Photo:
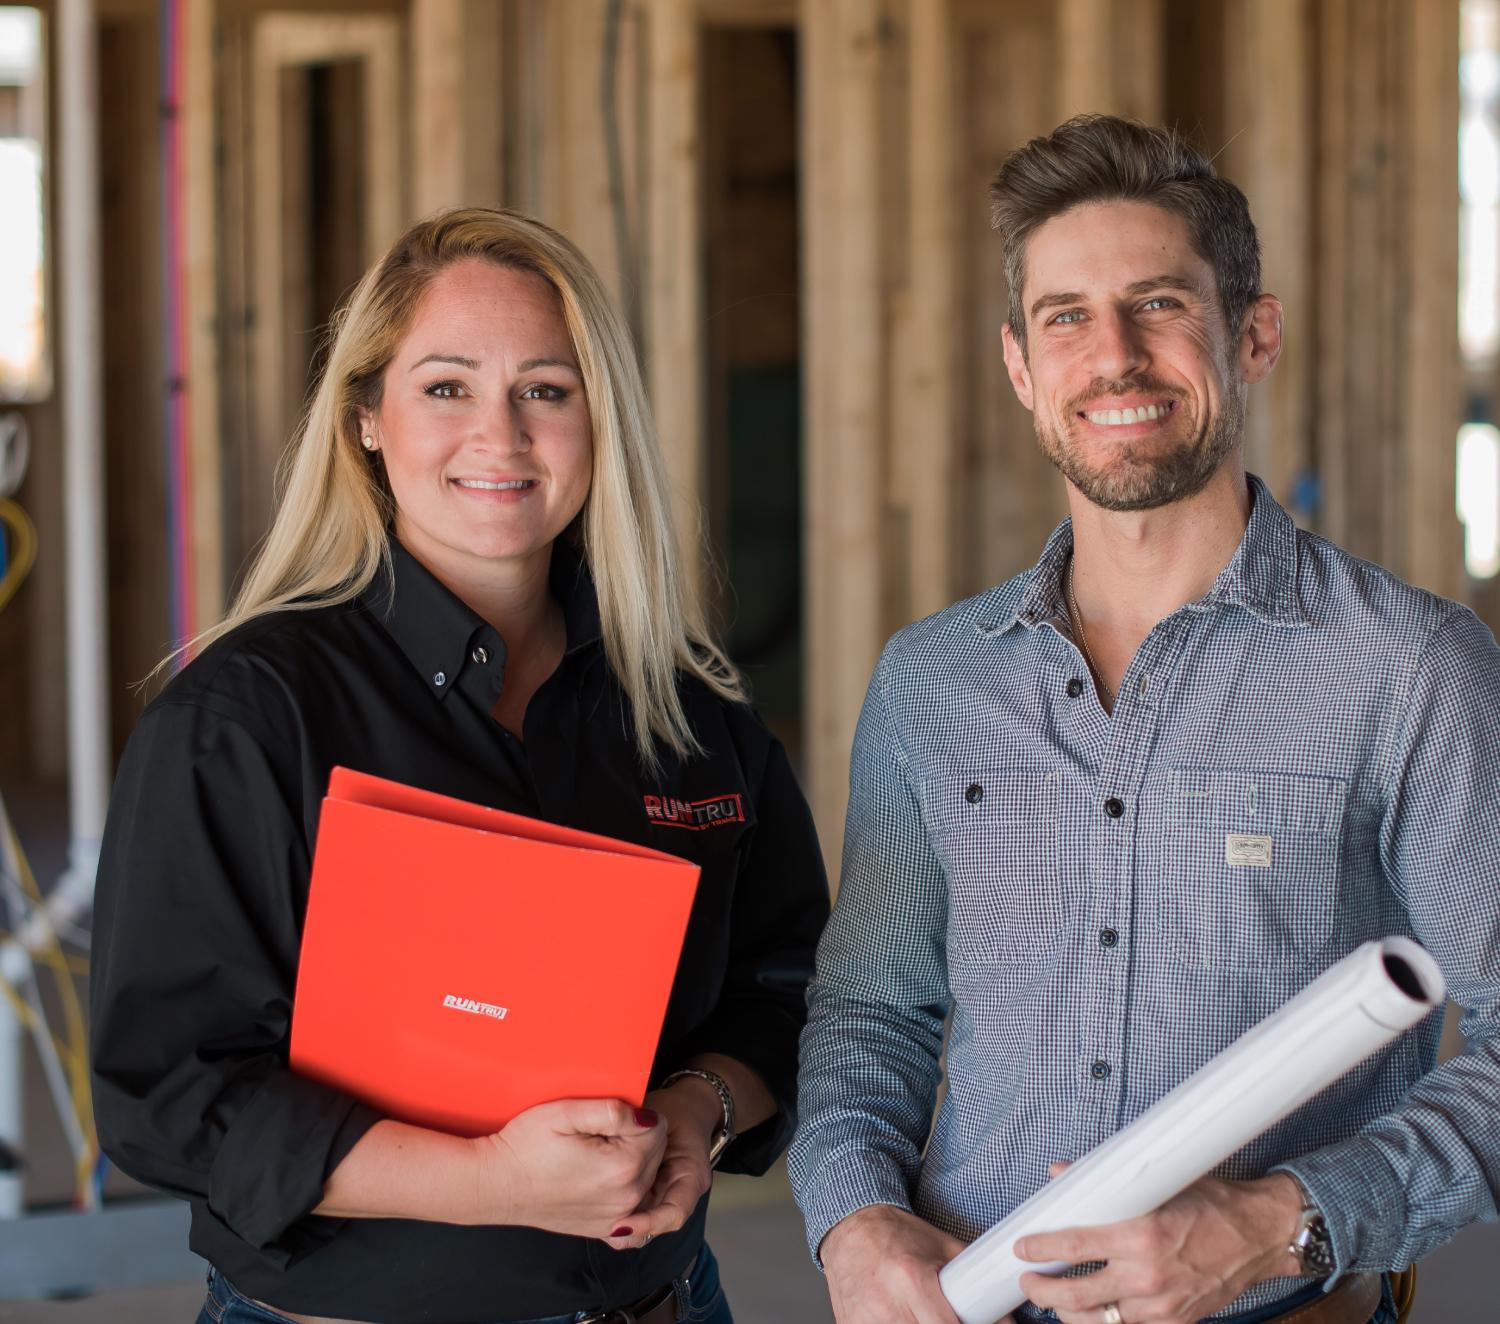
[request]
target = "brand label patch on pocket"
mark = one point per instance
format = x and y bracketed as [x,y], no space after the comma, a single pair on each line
[1248,852]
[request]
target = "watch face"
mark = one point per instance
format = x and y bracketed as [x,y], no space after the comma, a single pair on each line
[720,1144]
[1314,1247]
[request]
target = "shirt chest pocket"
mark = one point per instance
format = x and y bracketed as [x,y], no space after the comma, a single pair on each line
[1243,867]
[995,830]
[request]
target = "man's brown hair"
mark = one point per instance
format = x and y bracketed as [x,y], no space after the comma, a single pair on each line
[1102,158]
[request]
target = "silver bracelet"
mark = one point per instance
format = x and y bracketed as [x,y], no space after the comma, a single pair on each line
[726,1135]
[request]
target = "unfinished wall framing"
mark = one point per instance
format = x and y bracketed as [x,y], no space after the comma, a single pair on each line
[921,481]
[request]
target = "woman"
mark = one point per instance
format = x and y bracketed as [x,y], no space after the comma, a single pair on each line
[470,586]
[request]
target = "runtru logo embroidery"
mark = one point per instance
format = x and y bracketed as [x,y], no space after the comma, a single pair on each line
[478,1008]
[694,815]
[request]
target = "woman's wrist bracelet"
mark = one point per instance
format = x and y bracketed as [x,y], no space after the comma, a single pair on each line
[725,1136]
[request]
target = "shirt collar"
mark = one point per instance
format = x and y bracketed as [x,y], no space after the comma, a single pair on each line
[449,643]
[1261,575]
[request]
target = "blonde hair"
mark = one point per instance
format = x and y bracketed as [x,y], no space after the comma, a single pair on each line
[328,539]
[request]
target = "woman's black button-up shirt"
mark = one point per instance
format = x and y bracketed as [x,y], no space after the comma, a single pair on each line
[203,885]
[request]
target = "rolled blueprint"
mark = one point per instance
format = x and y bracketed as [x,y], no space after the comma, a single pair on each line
[1354,1009]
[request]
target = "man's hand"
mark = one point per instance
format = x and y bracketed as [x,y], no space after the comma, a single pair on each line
[882,1265]
[1184,1261]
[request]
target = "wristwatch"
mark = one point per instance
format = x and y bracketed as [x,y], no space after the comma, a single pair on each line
[1312,1245]
[725,1135]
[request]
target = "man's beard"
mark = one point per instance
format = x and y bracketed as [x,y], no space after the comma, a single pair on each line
[1142,475]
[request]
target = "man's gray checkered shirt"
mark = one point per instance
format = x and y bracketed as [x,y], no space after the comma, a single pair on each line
[1057,878]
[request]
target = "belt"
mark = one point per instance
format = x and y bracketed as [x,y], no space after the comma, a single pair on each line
[656,1307]
[1352,1301]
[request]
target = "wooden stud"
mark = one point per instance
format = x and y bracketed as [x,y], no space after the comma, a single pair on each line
[745,13]
[134,381]
[929,364]
[1013,496]
[456,103]
[1139,31]
[201,314]
[293,41]
[1085,57]
[674,260]
[437,104]
[1432,395]
[1108,58]
[1332,439]
[576,179]
[1268,153]
[841,91]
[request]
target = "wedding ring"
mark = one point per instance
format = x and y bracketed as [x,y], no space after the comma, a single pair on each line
[1112,1313]
[646,1241]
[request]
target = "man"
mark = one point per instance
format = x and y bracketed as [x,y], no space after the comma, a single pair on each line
[1116,811]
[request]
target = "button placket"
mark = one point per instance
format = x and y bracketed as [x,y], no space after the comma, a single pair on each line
[1113,813]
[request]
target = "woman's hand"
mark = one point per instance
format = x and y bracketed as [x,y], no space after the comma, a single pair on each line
[578,1166]
[692,1112]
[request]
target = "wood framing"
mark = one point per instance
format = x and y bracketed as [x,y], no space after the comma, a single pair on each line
[1388,379]
[928,356]
[1333,205]
[456,99]
[673,257]
[283,42]
[841,93]
[577,194]
[201,312]
[1010,495]
[1431,544]
[1269,148]
[1108,58]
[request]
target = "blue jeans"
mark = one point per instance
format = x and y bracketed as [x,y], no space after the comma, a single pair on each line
[700,1300]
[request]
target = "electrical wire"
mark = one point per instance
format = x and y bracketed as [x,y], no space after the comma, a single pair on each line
[53,956]
[64,1057]
[21,552]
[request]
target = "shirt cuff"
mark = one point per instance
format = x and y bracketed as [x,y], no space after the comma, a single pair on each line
[275,1157]
[1362,1200]
[854,1182]
[765,1040]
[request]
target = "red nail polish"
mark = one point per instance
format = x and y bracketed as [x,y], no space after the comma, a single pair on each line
[646,1117]
[620,1232]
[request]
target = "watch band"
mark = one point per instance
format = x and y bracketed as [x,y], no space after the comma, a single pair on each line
[726,1134]
[1312,1245]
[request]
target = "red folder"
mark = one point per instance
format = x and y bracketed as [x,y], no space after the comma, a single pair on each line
[461,964]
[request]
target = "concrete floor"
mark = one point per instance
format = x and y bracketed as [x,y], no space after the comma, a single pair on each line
[757,1235]
[754,1227]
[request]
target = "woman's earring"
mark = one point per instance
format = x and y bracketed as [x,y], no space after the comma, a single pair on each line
[369,443]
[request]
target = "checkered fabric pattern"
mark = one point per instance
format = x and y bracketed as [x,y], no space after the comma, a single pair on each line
[1061,880]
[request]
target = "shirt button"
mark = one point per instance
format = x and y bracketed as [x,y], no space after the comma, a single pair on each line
[481,655]
[974,794]
[440,679]
[1100,1070]
[1075,688]
[1114,806]
[1108,938]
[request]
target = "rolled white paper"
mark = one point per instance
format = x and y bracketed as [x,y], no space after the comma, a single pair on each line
[1354,1009]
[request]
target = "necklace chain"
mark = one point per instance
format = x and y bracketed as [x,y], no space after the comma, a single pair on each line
[1083,638]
